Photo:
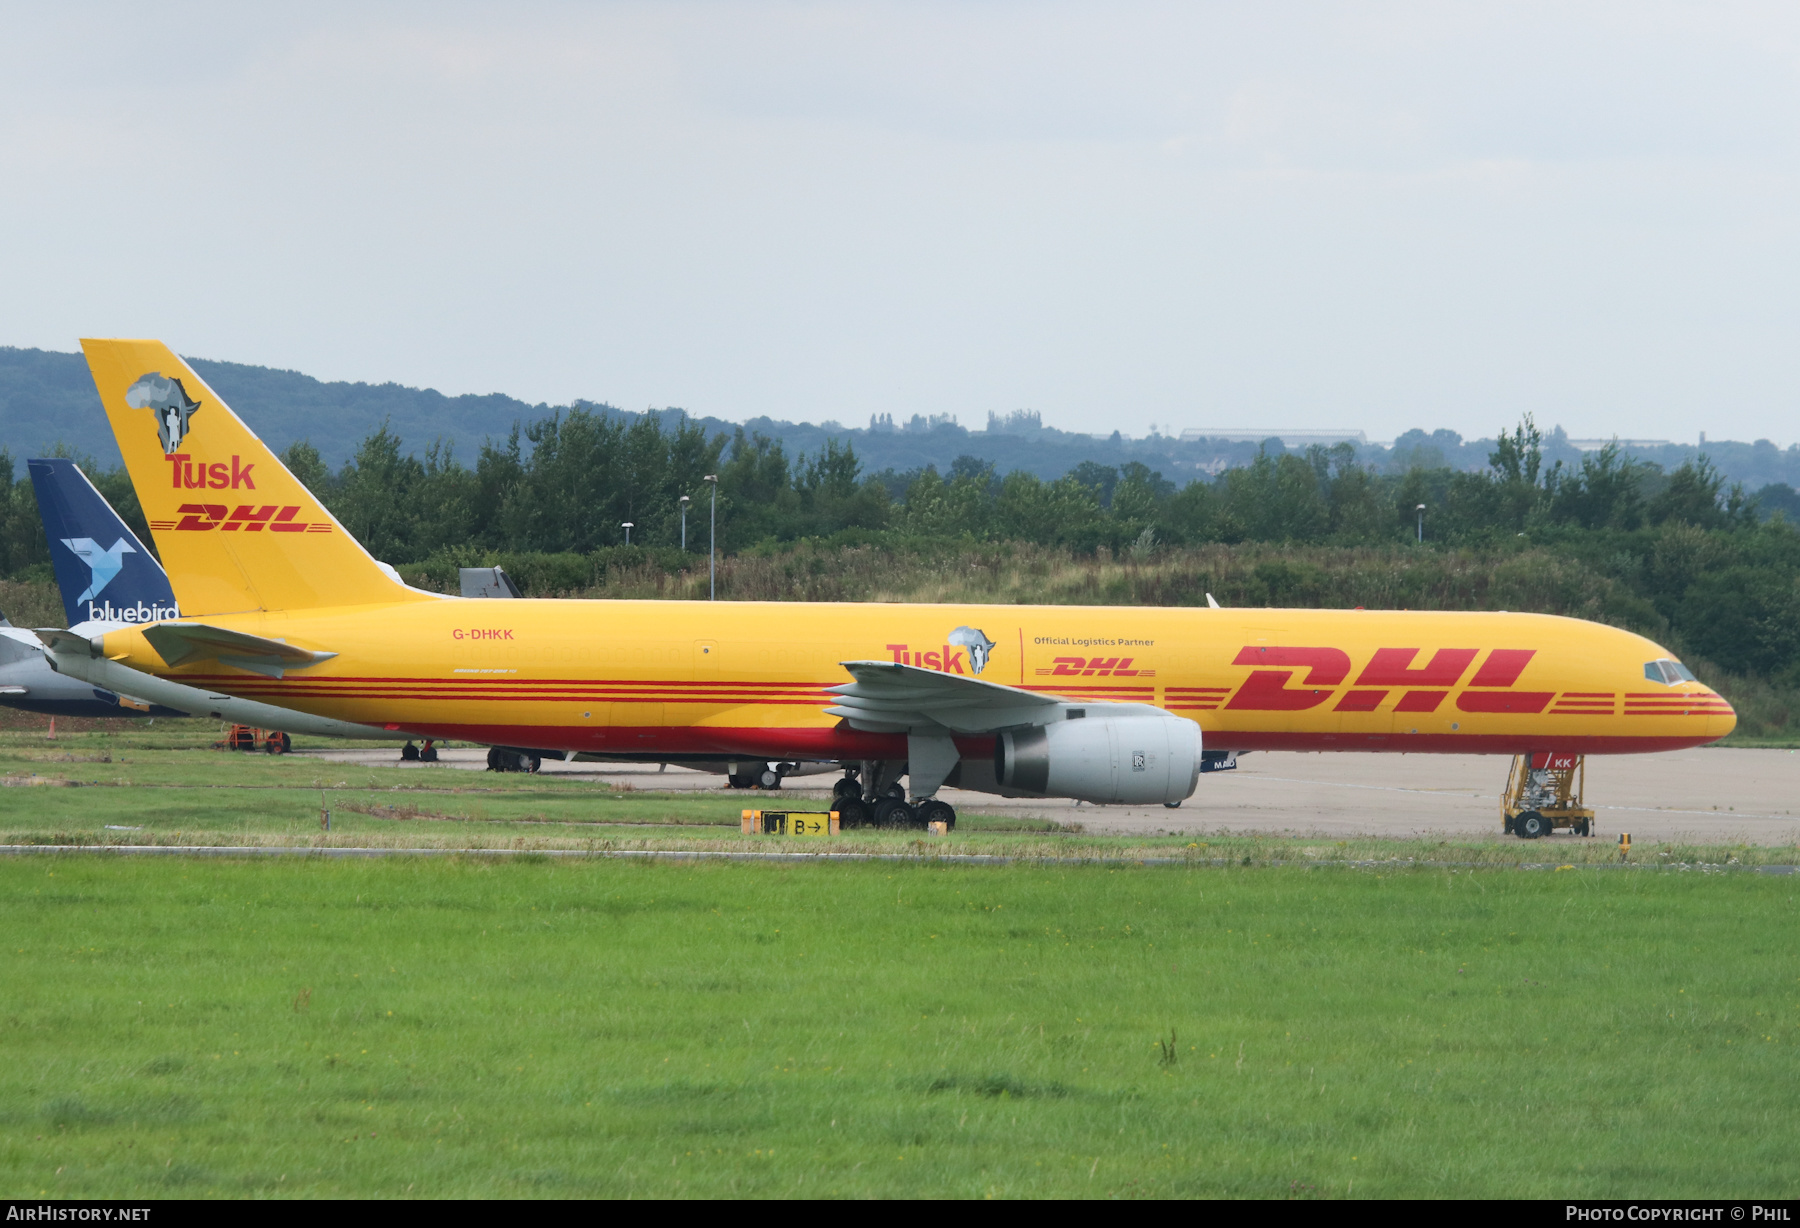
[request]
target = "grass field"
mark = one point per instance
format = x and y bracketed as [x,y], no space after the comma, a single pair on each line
[1270,1019]
[427,1028]
[159,785]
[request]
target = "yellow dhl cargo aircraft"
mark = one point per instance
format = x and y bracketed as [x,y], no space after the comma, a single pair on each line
[1105,704]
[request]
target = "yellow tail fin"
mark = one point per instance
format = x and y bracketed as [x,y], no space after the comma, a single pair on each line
[236,531]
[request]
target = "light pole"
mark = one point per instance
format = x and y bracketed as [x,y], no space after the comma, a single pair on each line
[1421,522]
[684,506]
[628,527]
[712,542]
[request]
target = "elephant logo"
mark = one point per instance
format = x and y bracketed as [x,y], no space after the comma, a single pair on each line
[978,644]
[171,403]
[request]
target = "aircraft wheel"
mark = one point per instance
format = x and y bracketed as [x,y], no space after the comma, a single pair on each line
[1530,825]
[533,762]
[1171,805]
[428,754]
[741,780]
[852,812]
[893,812]
[847,787]
[769,778]
[410,754]
[935,811]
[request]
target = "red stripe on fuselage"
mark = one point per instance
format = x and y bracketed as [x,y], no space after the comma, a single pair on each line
[840,742]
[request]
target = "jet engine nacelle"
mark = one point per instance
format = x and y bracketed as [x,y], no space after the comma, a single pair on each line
[1137,759]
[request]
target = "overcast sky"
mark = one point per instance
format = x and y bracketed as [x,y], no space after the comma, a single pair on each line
[1377,216]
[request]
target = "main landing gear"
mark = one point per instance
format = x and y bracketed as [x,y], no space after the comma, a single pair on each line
[419,754]
[879,800]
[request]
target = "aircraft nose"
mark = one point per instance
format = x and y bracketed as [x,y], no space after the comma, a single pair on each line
[1718,724]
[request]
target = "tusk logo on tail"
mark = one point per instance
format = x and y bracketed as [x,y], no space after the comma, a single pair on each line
[172,404]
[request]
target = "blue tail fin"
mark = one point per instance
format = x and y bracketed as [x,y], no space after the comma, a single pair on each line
[103,570]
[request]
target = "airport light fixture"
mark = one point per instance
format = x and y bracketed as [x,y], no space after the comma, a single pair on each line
[1421,522]
[684,507]
[712,543]
[628,527]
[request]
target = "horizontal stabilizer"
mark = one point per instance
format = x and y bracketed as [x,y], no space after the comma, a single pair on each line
[179,643]
[68,641]
[488,582]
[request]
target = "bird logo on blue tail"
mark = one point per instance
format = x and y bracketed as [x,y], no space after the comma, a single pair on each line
[103,564]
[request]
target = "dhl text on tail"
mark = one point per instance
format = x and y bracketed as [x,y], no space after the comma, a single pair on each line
[280,604]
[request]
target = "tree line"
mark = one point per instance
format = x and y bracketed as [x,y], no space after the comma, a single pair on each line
[571,481]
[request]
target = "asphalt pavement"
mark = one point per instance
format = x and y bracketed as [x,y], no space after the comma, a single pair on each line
[1710,795]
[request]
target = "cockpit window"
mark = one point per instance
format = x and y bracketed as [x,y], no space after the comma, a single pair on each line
[1668,672]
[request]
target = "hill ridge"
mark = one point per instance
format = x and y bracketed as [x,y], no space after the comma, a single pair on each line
[47,397]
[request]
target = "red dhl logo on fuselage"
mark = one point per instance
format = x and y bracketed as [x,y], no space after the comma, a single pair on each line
[1422,687]
[248,517]
[949,660]
[1094,667]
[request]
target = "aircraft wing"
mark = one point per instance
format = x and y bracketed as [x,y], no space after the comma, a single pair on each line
[179,643]
[16,645]
[887,697]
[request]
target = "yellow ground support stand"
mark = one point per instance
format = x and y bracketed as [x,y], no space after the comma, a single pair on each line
[790,823]
[1543,793]
[244,737]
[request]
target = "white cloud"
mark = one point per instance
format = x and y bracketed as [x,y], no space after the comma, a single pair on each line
[1394,215]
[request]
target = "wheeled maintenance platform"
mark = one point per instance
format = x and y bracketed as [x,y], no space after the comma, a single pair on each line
[1544,793]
